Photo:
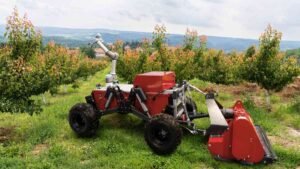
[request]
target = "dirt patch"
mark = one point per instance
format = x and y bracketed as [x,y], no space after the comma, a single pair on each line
[290,139]
[6,133]
[293,132]
[209,90]
[240,89]
[85,161]
[251,87]
[39,149]
[293,144]
[292,89]
[258,101]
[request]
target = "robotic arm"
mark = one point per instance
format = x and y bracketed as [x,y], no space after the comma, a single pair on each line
[110,54]
[112,77]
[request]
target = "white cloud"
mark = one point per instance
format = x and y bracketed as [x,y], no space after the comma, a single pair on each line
[233,18]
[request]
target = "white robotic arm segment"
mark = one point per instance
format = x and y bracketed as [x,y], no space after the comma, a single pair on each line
[112,77]
[110,54]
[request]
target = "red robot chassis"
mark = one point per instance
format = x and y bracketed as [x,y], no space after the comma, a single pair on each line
[166,109]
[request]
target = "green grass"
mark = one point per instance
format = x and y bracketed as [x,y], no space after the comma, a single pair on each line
[45,140]
[289,114]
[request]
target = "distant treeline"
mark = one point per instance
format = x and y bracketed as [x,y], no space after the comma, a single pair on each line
[295,53]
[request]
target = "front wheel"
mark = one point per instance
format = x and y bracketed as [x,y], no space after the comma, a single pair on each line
[83,120]
[163,134]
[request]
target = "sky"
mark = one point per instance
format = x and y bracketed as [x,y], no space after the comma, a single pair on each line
[229,18]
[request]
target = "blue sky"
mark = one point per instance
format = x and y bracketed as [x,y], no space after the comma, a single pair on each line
[232,18]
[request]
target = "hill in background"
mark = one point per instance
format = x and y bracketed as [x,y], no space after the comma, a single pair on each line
[78,37]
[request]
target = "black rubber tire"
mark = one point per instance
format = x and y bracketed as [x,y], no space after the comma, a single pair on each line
[191,106]
[83,120]
[163,134]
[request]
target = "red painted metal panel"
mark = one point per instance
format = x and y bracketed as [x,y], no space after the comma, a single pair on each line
[246,144]
[156,103]
[220,145]
[155,81]
[240,142]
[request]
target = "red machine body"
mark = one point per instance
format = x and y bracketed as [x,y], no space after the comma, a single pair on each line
[241,141]
[152,83]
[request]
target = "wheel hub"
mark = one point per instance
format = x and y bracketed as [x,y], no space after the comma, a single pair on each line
[162,134]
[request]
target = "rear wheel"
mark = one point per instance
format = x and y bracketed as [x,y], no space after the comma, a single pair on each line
[83,120]
[163,134]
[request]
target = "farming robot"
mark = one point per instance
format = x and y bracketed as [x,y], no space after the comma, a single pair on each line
[166,109]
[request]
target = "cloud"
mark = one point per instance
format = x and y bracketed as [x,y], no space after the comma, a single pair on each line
[233,18]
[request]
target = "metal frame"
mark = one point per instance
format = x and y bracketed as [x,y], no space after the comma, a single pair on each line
[178,94]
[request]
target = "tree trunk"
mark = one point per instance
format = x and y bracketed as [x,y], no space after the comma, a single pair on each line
[65,89]
[44,98]
[268,100]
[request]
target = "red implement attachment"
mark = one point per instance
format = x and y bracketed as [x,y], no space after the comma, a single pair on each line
[242,140]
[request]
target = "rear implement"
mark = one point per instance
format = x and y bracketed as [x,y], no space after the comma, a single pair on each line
[241,140]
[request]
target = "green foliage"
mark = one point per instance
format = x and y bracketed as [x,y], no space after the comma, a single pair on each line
[39,133]
[118,47]
[88,51]
[293,53]
[65,66]
[187,62]
[57,155]
[212,68]
[199,57]
[190,39]
[159,37]
[132,44]
[124,70]
[296,105]
[141,62]
[2,45]
[18,81]
[163,57]
[250,52]
[181,65]
[22,37]
[289,113]
[26,70]
[215,66]
[269,68]
[18,105]
[7,163]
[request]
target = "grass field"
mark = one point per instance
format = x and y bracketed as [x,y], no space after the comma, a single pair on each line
[45,140]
